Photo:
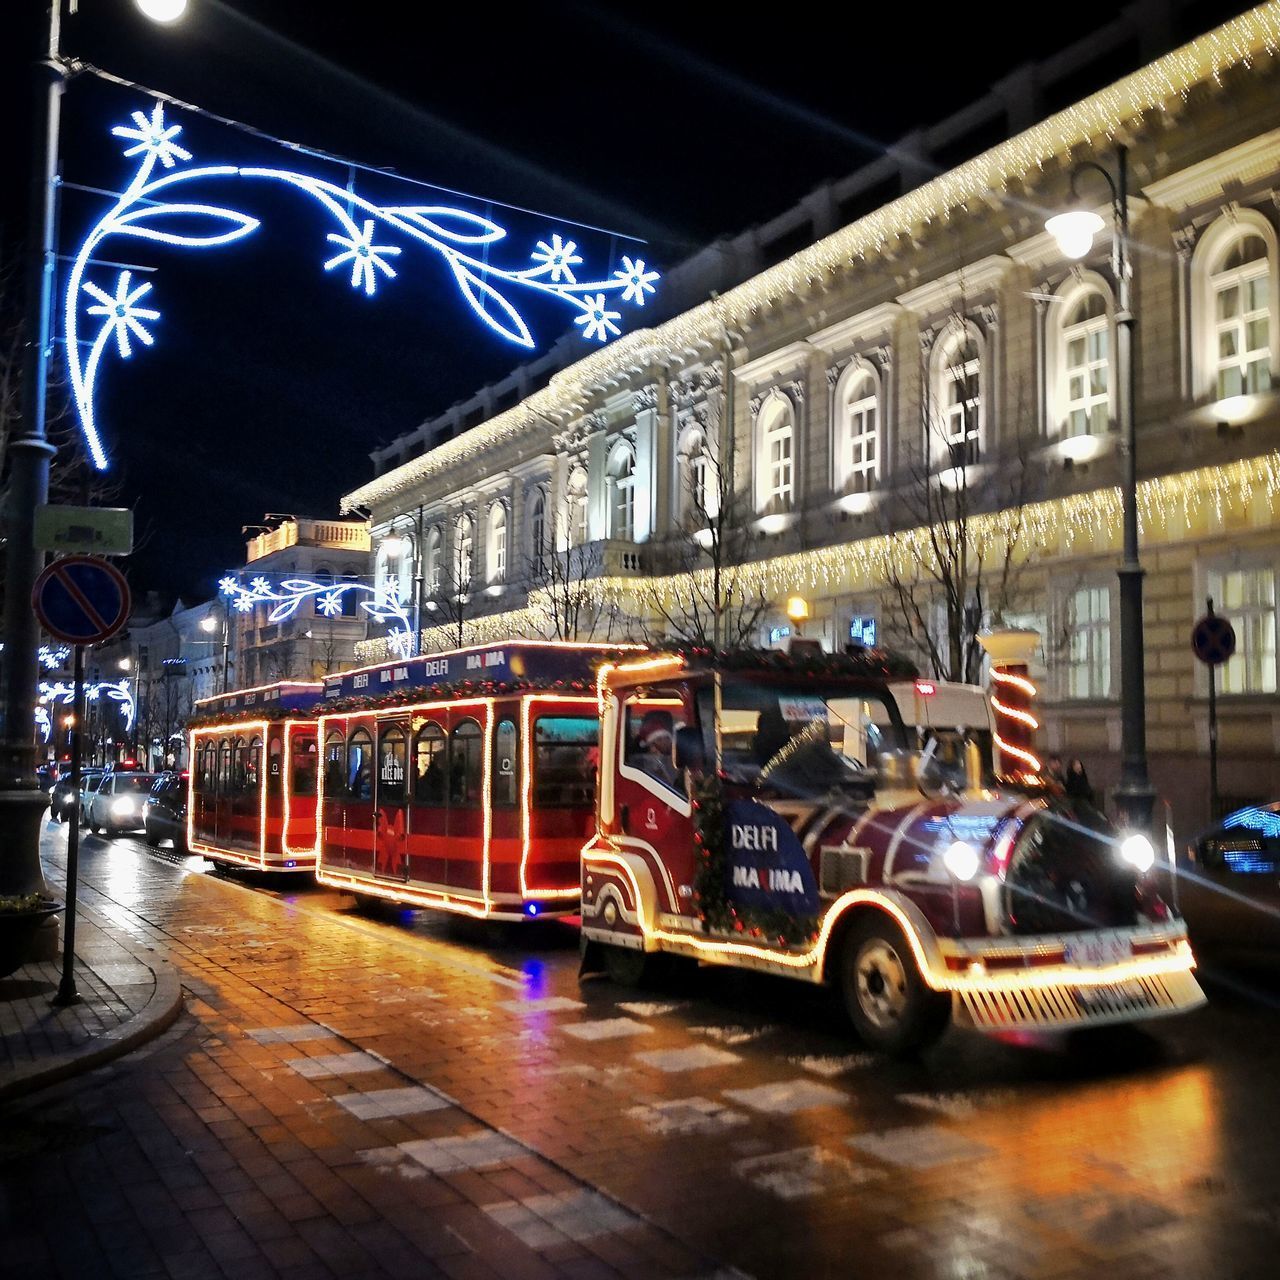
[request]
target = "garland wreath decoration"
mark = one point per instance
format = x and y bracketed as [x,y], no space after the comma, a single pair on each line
[875,664]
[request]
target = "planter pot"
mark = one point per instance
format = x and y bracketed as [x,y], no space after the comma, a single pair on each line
[17,930]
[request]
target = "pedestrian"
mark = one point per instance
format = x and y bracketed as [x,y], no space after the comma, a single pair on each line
[1053,770]
[1076,783]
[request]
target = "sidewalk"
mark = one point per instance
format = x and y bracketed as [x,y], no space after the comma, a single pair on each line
[128,996]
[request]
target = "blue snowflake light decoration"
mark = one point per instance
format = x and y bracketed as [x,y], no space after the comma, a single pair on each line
[463,241]
[63,692]
[288,596]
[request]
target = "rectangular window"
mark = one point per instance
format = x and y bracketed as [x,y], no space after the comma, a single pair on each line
[1247,597]
[1088,658]
[565,756]
[1244,335]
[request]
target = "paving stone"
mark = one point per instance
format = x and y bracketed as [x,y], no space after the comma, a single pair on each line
[695,1058]
[290,1035]
[652,1008]
[918,1147]
[802,1173]
[335,1064]
[606,1029]
[685,1115]
[480,1150]
[543,1221]
[544,1004]
[828,1066]
[783,1097]
[410,1100]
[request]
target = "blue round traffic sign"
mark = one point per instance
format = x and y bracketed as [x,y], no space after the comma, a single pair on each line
[81,600]
[1213,639]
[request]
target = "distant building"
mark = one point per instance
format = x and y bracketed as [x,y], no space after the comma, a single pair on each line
[310,643]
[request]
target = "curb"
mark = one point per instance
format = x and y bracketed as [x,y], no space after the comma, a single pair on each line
[159,1013]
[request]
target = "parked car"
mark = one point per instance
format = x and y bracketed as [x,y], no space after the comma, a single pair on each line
[164,814]
[1231,898]
[64,799]
[116,804]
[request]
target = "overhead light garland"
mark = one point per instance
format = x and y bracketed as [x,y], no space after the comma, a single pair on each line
[63,693]
[288,596]
[125,313]
[1102,116]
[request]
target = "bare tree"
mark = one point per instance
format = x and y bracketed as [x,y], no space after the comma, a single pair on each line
[956,529]
[719,603]
[563,582]
[452,590]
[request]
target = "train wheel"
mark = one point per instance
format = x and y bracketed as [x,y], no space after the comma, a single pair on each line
[889,1004]
[629,967]
[368,904]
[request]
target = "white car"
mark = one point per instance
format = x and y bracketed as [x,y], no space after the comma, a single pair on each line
[116,804]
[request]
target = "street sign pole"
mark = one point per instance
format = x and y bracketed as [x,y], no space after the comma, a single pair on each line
[1213,641]
[67,993]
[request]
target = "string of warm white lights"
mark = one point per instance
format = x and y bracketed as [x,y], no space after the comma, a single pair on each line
[1079,524]
[1102,116]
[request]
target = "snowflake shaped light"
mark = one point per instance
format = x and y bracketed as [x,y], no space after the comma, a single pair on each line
[63,692]
[288,596]
[460,240]
[597,319]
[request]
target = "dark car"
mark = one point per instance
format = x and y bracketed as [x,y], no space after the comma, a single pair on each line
[63,799]
[1231,896]
[164,815]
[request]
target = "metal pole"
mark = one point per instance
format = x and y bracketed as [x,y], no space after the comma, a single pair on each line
[21,803]
[1215,803]
[226,641]
[1134,796]
[419,551]
[67,993]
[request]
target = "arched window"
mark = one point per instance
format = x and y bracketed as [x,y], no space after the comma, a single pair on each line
[856,447]
[430,767]
[466,766]
[695,478]
[1235,299]
[621,482]
[359,779]
[538,527]
[1081,394]
[335,764]
[576,507]
[464,553]
[504,764]
[776,454]
[496,552]
[956,426]
[431,571]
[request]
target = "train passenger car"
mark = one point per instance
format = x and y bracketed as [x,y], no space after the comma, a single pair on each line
[464,780]
[253,777]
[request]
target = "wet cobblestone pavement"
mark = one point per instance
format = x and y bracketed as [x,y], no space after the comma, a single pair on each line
[411,1096]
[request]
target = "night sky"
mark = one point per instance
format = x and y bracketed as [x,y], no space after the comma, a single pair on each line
[270,380]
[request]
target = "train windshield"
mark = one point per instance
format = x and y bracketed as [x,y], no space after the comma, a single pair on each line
[804,739]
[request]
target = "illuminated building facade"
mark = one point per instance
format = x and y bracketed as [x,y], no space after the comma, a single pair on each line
[915,325]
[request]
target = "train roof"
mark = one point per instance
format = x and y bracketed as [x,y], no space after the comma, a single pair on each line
[284,696]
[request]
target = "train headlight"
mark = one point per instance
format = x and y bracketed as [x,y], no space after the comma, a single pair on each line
[1138,852]
[961,859]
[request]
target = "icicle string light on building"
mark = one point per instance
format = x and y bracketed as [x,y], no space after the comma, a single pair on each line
[464,241]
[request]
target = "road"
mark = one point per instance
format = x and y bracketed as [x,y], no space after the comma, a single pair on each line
[411,1095]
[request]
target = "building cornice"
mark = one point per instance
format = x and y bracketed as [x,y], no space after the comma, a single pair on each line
[1199,184]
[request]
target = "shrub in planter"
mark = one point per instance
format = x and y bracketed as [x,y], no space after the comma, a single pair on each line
[20,917]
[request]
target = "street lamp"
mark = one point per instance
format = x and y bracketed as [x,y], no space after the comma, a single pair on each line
[1074,232]
[210,624]
[21,800]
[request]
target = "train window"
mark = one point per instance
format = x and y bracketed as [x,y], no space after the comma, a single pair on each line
[275,760]
[224,767]
[565,755]
[253,765]
[652,721]
[238,754]
[204,774]
[360,766]
[335,763]
[429,765]
[504,763]
[466,766]
[393,749]
[302,751]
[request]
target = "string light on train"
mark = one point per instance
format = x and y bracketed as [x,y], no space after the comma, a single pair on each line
[1161,86]
[330,602]
[464,242]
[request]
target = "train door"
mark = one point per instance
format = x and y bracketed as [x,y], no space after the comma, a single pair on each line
[429,806]
[273,780]
[300,826]
[391,808]
[654,808]
[505,833]
[222,805]
[358,811]
[464,823]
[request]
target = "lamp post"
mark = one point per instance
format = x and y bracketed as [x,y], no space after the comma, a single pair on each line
[1074,232]
[210,624]
[21,803]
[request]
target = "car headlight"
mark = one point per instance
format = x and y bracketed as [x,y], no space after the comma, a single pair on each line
[1138,852]
[961,859]
[122,806]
